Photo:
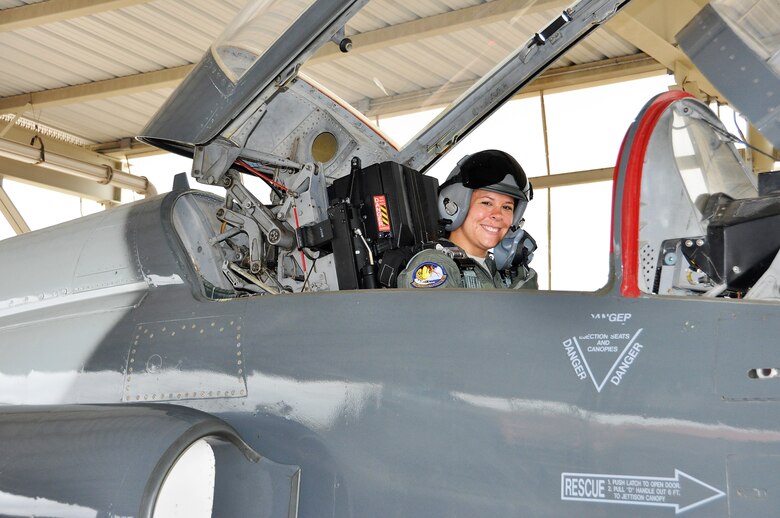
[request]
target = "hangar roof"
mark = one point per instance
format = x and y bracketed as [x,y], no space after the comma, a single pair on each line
[88,74]
[98,70]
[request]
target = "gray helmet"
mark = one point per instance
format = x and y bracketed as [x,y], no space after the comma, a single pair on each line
[491,170]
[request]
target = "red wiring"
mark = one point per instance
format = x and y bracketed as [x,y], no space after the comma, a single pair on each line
[261,175]
[283,188]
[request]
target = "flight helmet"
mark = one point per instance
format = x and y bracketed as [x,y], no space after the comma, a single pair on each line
[491,170]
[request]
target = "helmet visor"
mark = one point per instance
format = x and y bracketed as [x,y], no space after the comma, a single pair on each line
[506,186]
[494,171]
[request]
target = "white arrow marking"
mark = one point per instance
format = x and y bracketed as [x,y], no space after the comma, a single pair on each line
[622,489]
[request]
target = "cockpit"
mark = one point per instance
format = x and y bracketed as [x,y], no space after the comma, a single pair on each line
[704,227]
[356,233]
[347,207]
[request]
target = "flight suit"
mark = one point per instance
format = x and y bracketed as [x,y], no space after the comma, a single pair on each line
[447,266]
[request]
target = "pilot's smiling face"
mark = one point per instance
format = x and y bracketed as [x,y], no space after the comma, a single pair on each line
[487,222]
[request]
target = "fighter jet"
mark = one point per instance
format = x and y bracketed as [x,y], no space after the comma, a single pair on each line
[274,331]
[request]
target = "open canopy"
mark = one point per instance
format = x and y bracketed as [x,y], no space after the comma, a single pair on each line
[235,92]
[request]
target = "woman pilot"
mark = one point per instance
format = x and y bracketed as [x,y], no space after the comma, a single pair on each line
[482,203]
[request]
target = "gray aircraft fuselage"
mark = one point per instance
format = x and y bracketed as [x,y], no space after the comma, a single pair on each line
[441,403]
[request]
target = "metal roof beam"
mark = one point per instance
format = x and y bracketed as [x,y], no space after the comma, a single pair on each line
[652,25]
[126,147]
[24,136]
[101,173]
[452,21]
[553,80]
[50,11]
[557,79]
[372,40]
[11,213]
[166,78]
[67,184]
[596,73]
[20,168]
[567,179]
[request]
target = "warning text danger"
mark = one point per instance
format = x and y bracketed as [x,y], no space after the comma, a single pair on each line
[574,358]
[625,364]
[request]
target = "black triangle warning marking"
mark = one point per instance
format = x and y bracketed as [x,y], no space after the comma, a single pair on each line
[619,358]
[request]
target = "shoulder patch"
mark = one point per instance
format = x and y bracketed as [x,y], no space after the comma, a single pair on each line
[429,275]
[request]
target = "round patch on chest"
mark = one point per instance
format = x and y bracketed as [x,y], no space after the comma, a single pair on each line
[429,275]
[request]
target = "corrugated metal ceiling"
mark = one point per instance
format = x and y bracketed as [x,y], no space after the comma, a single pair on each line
[164,34]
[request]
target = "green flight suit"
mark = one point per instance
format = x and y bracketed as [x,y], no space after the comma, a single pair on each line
[447,266]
